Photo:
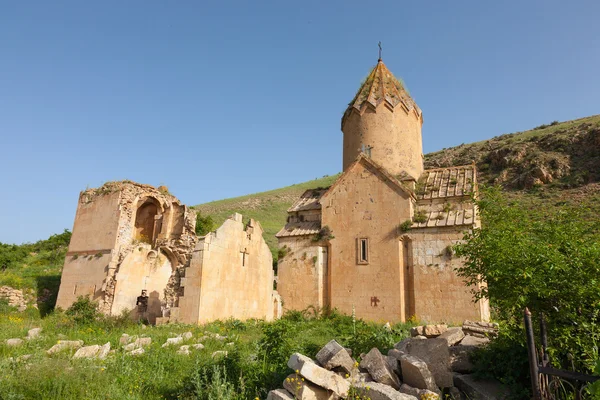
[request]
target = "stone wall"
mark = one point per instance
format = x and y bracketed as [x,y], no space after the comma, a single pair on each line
[230,275]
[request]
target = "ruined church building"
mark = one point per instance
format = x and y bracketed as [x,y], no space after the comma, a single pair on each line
[378,242]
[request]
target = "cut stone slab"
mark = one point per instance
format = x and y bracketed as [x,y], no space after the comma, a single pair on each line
[187,336]
[460,358]
[416,373]
[305,390]
[63,345]
[104,351]
[173,341]
[279,394]
[318,375]
[379,391]
[402,345]
[480,390]
[184,350]
[434,352]
[143,342]
[136,352]
[333,355]
[87,352]
[470,340]
[452,336]
[378,367]
[478,328]
[198,346]
[406,389]
[125,339]
[14,342]
[429,331]
[33,333]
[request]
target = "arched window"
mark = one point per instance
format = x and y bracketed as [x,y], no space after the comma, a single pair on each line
[145,222]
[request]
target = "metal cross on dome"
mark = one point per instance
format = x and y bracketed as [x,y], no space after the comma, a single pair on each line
[379,44]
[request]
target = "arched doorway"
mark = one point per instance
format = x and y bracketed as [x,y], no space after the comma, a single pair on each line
[145,221]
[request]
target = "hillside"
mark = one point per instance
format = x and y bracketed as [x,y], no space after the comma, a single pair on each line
[550,164]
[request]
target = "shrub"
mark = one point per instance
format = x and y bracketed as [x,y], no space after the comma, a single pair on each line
[204,225]
[405,226]
[419,217]
[324,233]
[83,310]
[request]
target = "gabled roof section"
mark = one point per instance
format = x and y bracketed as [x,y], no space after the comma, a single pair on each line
[308,201]
[378,169]
[435,219]
[447,182]
[299,229]
[381,85]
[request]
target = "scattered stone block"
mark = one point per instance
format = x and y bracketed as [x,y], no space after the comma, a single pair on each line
[198,346]
[63,345]
[434,352]
[406,389]
[129,347]
[14,342]
[187,336]
[219,353]
[429,331]
[480,389]
[481,329]
[24,357]
[471,340]
[104,351]
[333,355]
[143,342]
[136,352]
[415,373]
[378,367]
[34,333]
[401,345]
[387,327]
[173,341]
[184,350]
[452,336]
[379,391]
[460,358]
[302,389]
[87,352]
[318,375]
[279,394]
[125,339]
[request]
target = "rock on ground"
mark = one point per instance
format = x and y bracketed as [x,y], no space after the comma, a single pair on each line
[377,365]
[460,358]
[318,375]
[428,331]
[14,342]
[64,344]
[87,351]
[470,340]
[304,390]
[172,341]
[480,389]
[33,333]
[198,346]
[452,336]
[184,350]
[434,352]
[416,373]
[279,394]
[333,355]
[219,353]
[187,336]
[136,352]
[379,391]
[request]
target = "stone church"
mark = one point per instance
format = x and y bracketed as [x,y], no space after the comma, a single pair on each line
[378,242]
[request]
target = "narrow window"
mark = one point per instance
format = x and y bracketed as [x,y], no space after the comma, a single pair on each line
[363,251]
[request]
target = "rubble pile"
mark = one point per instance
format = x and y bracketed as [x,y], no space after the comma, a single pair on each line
[432,364]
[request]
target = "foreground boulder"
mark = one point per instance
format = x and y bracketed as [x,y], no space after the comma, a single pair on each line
[279,394]
[63,345]
[378,368]
[471,340]
[379,391]
[333,355]
[434,352]
[452,336]
[416,374]
[305,390]
[318,375]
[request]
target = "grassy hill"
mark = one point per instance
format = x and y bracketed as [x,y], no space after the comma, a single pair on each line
[545,166]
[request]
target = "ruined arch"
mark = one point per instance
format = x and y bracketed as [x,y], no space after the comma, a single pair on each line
[147,225]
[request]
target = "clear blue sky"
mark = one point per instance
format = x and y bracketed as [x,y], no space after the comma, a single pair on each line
[223,99]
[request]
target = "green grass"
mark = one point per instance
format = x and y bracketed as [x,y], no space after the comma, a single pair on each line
[256,363]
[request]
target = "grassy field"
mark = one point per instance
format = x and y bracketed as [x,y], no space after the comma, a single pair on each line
[255,363]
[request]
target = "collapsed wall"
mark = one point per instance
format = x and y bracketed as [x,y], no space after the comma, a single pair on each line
[128,237]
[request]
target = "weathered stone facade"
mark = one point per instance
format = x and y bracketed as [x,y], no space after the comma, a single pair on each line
[384,230]
[128,237]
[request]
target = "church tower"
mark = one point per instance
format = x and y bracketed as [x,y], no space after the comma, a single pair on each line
[384,122]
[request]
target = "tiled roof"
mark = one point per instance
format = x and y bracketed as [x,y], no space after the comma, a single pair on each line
[382,85]
[308,201]
[299,229]
[451,218]
[446,182]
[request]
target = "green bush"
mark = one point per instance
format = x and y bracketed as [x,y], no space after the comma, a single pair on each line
[83,311]
[204,225]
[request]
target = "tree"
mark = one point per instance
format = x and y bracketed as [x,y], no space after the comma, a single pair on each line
[204,225]
[544,259]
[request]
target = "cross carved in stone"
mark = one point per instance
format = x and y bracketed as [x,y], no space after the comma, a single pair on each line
[244,253]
